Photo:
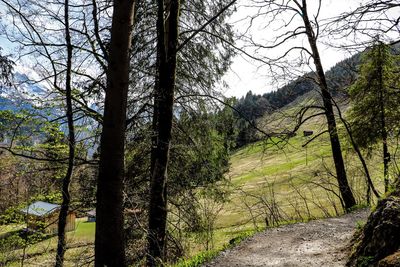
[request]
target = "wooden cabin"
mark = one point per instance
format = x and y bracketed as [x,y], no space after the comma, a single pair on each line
[44,216]
[91,215]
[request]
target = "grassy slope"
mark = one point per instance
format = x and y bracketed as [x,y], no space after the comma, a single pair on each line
[289,177]
[81,242]
[263,176]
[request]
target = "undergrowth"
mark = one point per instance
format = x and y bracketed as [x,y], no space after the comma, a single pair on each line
[206,256]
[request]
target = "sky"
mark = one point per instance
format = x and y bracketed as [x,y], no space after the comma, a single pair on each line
[246,74]
[5,45]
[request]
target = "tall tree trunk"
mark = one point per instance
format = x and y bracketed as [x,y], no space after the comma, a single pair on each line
[110,242]
[62,218]
[167,40]
[386,155]
[344,187]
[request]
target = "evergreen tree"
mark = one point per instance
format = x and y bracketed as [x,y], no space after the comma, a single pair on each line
[375,96]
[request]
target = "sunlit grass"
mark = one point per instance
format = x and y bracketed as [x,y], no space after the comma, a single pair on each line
[85,231]
[80,243]
[291,176]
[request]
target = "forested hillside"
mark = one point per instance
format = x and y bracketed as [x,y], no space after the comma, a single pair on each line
[339,77]
[118,147]
[252,107]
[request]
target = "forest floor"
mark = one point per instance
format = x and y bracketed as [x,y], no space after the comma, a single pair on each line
[316,243]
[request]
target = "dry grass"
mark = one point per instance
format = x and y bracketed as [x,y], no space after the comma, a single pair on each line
[296,181]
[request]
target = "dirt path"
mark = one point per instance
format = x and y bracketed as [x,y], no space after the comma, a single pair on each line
[317,243]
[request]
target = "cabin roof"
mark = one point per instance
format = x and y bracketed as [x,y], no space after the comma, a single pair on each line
[92,213]
[40,208]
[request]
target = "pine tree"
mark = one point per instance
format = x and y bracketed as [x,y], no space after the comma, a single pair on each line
[375,96]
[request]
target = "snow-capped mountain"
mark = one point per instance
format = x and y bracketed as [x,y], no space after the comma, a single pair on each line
[24,92]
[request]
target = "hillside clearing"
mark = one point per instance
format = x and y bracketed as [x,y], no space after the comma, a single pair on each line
[288,183]
[316,243]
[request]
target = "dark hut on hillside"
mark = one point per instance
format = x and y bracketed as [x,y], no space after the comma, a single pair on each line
[308,133]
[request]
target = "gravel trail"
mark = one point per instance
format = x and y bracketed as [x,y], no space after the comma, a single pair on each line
[314,244]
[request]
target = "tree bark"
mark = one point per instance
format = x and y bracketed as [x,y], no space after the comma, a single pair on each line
[341,177]
[62,218]
[167,41]
[110,243]
[386,155]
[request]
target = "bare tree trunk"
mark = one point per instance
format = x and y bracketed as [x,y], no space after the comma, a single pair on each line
[110,242]
[62,219]
[167,41]
[344,187]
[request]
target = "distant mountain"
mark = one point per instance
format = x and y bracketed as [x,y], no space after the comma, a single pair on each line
[339,77]
[13,104]
[27,85]
[24,93]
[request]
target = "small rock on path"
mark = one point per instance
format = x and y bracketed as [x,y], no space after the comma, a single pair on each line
[314,244]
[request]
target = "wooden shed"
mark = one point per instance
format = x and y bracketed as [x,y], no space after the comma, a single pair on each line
[44,215]
[91,215]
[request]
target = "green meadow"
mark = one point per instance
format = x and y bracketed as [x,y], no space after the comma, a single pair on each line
[271,182]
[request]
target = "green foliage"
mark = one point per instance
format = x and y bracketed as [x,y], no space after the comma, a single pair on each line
[13,241]
[360,225]
[202,140]
[202,145]
[365,261]
[54,197]
[199,259]
[249,109]
[12,215]
[30,136]
[208,255]
[375,96]
[242,236]
[30,132]
[199,161]
[19,239]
